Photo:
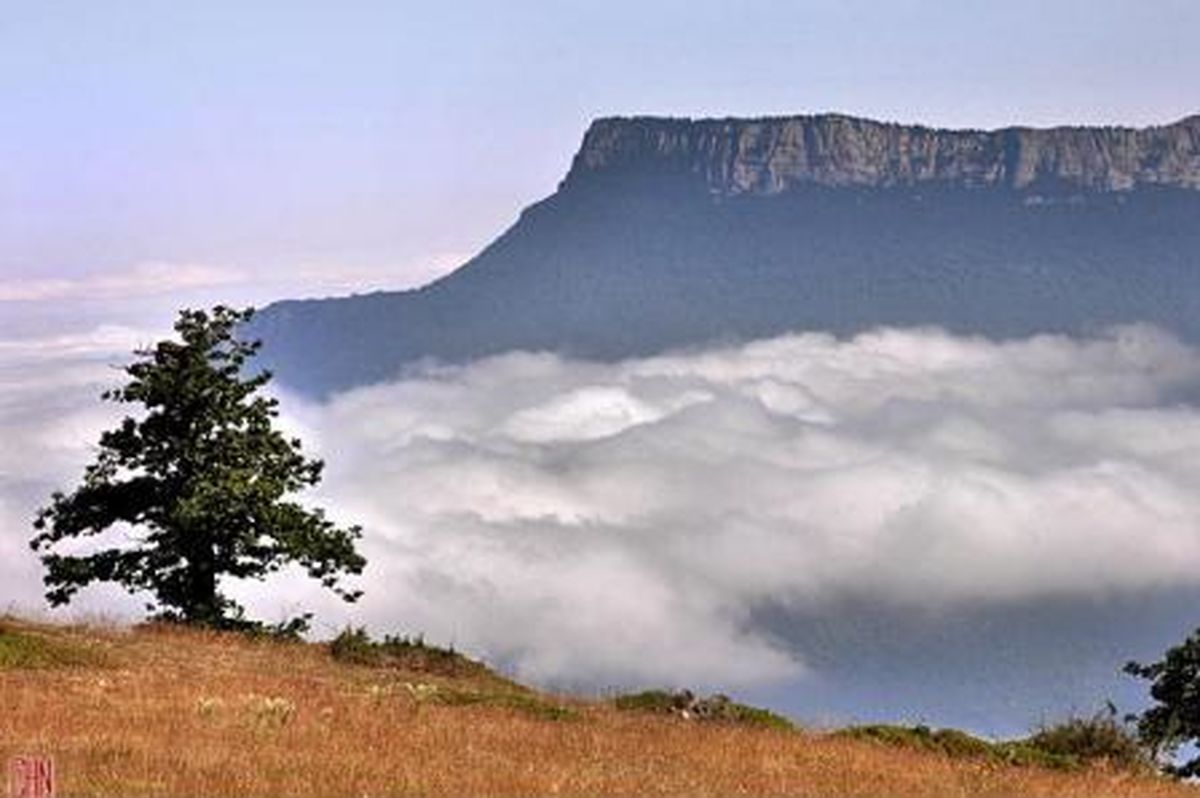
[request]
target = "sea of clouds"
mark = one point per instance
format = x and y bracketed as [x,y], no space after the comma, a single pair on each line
[626,523]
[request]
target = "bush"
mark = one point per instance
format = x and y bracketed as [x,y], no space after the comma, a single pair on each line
[1099,738]
[659,701]
[686,704]
[1063,746]
[756,716]
[955,744]
[949,742]
[356,647]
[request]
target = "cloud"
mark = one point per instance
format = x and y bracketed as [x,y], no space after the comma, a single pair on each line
[142,280]
[628,523]
[50,418]
[325,279]
[623,522]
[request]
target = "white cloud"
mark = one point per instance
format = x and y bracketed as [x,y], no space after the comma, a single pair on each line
[50,417]
[622,523]
[585,520]
[144,279]
[325,279]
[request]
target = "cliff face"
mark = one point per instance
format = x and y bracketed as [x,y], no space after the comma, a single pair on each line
[769,156]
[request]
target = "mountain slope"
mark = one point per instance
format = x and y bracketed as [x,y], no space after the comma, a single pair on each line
[669,233]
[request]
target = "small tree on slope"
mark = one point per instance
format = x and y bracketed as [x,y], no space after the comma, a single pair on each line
[1174,718]
[202,478]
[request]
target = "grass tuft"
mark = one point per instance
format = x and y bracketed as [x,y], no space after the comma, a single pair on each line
[23,648]
[526,703]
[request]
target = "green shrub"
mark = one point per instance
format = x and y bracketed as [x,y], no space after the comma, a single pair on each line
[1063,746]
[647,701]
[950,742]
[757,716]
[685,704]
[956,744]
[1094,739]
[356,647]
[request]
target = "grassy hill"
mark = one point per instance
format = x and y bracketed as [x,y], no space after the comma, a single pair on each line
[167,711]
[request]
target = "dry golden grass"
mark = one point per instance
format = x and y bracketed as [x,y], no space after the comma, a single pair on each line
[173,712]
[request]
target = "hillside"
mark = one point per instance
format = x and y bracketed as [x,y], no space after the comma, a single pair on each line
[670,232]
[164,711]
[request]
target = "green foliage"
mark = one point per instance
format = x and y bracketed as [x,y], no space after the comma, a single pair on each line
[202,477]
[1174,718]
[355,646]
[1098,738]
[23,649]
[684,703]
[756,716]
[949,742]
[660,701]
[1061,746]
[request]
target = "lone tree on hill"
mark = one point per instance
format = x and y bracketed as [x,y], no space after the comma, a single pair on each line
[202,477]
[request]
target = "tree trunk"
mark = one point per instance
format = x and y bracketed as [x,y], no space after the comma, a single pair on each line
[203,606]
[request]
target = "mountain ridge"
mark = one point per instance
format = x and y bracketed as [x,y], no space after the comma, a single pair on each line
[771,154]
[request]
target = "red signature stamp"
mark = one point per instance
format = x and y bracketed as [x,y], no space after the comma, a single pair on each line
[31,777]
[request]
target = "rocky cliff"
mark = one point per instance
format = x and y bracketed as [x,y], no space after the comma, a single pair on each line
[769,156]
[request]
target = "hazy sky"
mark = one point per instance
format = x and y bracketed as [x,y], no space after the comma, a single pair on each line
[282,148]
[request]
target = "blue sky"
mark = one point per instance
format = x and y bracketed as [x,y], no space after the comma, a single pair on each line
[288,148]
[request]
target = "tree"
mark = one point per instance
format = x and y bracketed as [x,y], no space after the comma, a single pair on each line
[201,478]
[1174,719]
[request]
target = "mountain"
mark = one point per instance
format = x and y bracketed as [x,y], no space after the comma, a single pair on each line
[771,156]
[674,232]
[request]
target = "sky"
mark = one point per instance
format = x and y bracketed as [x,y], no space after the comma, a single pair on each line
[277,149]
[912,494]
